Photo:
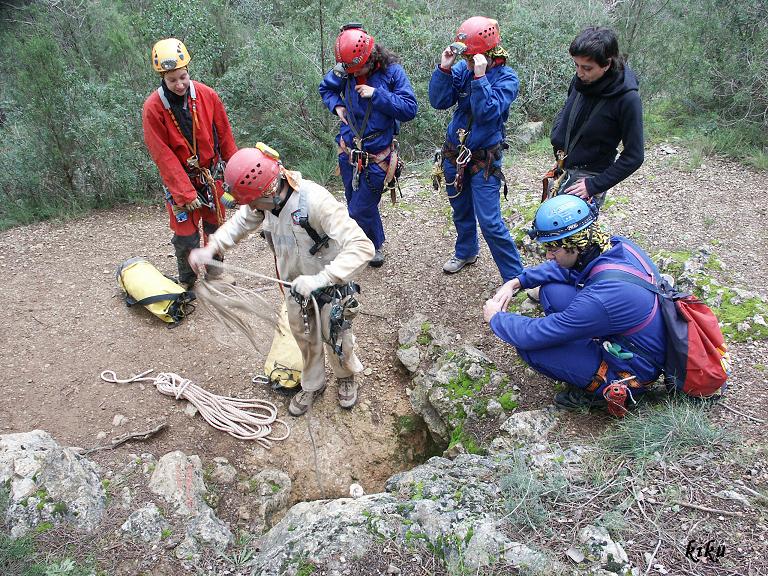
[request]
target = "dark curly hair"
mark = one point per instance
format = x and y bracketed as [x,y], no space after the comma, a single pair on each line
[382,57]
[599,44]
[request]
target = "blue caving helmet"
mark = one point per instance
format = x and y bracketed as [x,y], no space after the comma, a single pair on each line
[562,216]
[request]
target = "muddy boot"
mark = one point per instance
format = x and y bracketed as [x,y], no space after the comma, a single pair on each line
[347,391]
[377,260]
[577,399]
[302,401]
[183,245]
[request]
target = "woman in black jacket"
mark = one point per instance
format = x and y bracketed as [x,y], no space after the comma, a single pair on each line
[603,108]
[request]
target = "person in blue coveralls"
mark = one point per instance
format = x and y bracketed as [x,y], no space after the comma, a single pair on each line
[371,94]
[482,87]
[586,311]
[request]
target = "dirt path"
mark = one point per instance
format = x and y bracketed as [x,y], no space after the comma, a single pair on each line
[64,322]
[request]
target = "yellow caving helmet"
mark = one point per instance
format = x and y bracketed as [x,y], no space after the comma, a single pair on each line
[169,54]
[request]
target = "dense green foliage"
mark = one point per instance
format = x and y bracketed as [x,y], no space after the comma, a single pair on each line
[74,75]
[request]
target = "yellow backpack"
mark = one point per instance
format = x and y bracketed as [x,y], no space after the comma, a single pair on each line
[283,365]
[145,285]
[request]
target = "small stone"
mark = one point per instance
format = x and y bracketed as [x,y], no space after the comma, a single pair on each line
[368,371]
[494,408]
[101,435]
[575,554]
[244,512]
[356,491]
[392,569]
[190,410]
[119,420]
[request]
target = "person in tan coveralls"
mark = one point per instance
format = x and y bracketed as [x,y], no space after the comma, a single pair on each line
[317,245]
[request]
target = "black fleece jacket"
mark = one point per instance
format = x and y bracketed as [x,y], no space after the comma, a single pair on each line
[620,119]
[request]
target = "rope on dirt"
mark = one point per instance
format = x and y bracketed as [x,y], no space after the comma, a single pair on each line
[244,419]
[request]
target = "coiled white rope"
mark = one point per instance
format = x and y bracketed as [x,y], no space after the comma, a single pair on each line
[244,419]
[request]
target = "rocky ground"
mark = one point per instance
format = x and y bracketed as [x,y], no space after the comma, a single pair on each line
[65,322]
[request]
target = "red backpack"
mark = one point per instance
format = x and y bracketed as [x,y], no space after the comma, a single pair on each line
[697,362]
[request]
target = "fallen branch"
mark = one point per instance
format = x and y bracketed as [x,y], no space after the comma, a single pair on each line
[125,438]
[710,510]
[368,313]
[650,562]
[747,416]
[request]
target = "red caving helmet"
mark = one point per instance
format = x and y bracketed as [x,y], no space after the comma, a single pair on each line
[353,47]
[479,33]
[250,173]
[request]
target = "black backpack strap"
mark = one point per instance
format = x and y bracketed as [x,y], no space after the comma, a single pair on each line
[320,241]
[130,301]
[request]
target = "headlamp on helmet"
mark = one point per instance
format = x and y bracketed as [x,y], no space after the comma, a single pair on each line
[169,54]
[458,48]
[353,47]
[479,34]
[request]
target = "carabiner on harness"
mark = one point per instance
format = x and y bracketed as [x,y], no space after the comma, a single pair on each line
[304,305]
[464,156]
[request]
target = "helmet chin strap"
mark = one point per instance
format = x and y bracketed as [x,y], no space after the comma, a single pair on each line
[277,202]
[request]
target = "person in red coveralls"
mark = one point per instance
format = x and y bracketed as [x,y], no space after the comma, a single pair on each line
[188,135]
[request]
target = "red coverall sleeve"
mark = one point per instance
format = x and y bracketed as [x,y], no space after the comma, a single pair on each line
[171,170]
[226,139]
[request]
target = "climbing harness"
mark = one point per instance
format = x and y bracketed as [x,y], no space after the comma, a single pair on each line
[242,418]
[202,177]
[474,161]
[361,159]
[344,306]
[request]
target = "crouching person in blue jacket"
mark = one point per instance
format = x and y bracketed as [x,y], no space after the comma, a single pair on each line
[592,320]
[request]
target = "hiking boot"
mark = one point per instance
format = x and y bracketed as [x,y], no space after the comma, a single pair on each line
[187,285]
[377,260]
[347,391]
[533,293]
[577,399]
[302,401]
[455,264]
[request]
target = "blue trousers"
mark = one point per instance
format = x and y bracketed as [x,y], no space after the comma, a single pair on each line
[363,203]
[480,203]
[574,362]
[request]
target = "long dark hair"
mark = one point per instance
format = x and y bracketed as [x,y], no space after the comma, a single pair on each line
[382,57]
[599,44]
